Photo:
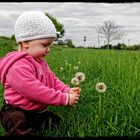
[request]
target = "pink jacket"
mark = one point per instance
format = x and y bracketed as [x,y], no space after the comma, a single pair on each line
[30,84]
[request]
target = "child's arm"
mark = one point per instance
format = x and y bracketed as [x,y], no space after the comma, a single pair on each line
[23,80]
[59,85]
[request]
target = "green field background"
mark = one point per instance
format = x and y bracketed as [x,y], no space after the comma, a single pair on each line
[119,70]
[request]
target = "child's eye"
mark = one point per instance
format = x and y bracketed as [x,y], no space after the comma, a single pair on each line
[45,46]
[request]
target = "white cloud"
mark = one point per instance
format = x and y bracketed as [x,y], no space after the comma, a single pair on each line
[79,19]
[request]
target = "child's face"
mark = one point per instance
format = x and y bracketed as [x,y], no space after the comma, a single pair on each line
[39,48]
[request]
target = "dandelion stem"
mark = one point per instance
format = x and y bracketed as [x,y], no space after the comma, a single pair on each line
[100,104]
[78,87]
[100,111]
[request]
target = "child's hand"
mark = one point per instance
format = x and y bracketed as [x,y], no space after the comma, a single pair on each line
[75,90]
[73,99]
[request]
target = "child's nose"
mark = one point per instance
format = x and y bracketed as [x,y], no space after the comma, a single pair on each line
[48,50]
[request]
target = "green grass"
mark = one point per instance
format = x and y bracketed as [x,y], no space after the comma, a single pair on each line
[120,71]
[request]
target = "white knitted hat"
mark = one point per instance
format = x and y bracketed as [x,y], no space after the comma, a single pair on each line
[32,25]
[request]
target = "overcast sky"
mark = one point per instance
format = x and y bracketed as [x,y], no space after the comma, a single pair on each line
[79,19]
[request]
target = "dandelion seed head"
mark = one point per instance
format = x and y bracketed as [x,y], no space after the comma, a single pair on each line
[75,81]
[101,87]
[76,67]
[61,68]
[80,76]
[79,62]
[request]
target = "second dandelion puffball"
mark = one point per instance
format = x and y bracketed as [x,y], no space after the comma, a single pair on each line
[101,87]
[75,81]
[80,76]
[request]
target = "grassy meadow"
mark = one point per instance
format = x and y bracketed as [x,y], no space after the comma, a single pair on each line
[119,70]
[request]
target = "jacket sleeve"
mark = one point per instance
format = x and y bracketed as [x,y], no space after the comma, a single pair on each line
[23,80]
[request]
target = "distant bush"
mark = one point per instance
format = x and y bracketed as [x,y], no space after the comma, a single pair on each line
[121,46]
[107,46]
[60,42]
[69,43]
[134,47]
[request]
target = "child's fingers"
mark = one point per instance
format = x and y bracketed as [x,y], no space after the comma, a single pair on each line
[78,90]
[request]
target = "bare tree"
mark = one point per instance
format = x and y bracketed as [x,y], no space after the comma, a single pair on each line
[110,31]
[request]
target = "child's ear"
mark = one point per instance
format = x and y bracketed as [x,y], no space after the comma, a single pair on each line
[25,44]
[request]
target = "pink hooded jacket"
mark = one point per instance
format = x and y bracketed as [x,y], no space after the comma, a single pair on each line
[30,84]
